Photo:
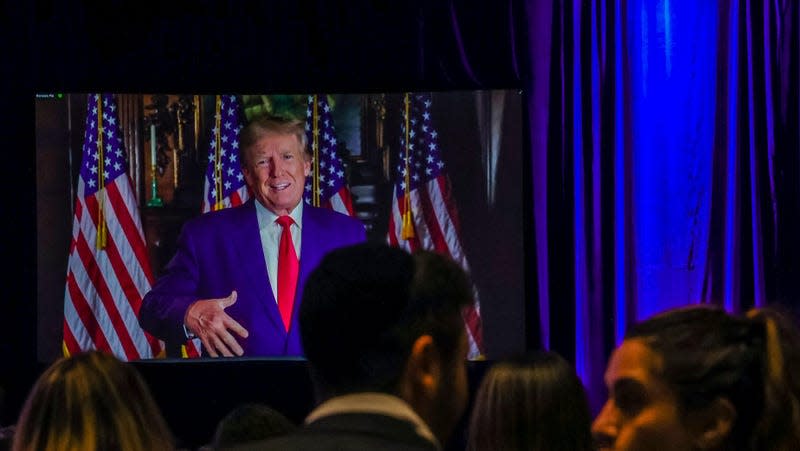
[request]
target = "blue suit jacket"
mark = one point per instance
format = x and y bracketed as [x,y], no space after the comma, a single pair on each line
[219,252]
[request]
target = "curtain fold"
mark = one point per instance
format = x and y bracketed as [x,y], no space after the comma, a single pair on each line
[664,157]
[664,160]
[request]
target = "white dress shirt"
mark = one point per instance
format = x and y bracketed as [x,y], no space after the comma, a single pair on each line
[270,232]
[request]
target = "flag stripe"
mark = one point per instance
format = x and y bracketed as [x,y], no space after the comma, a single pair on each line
[123,231]
[115,262]
[473,321]
[121,196]
[83,323]
[193,348]
[434,238]
[339,202]
[446,192]
[393,232]
[70,343]
[105,283]
[107,312]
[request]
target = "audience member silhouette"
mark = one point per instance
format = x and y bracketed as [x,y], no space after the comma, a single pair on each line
[384,335]
[700,378]
[250,422]
[91,401]
[535,402]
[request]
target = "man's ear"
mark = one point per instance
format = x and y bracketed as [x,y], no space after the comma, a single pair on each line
[711,426]
[246,172]
[424,365]
[307,160]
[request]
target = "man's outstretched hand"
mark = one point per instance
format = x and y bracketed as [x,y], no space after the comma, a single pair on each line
[207,319]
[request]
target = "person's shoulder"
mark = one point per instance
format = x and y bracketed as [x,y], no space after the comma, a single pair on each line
[307,439]
[219,217]
[335,218]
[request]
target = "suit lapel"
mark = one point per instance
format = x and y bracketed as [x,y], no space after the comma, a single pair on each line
[309,250]
[309,257]
[248,246]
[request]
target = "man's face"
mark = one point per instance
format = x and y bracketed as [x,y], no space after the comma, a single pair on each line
[275,171]
[642,411]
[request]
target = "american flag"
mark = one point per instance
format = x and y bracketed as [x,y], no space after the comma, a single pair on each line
[424,216]
[325,187]
[224,183]
[108,272]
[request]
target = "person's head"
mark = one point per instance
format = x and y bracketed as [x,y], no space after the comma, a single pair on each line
[274,161]
[91,401]
[535,402]
[250,422]
[700,378]
[375,318]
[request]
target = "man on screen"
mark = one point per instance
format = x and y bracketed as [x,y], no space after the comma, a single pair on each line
[237,277]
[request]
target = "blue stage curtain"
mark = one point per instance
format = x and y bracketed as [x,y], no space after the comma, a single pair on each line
[665,156]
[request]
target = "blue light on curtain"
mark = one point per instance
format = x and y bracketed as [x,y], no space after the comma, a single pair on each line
[672,51]
[664,140]
[730,232]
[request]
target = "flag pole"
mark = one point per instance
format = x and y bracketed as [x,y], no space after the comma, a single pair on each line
[315,149]
[101,222]
[407,231]
[218,153]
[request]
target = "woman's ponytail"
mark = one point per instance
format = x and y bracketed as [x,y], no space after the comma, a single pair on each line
[779,426]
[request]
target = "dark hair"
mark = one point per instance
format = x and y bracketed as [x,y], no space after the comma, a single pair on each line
[250,422]
[364,306]
[751,360]
[266,124]
[534,402]
[91,401]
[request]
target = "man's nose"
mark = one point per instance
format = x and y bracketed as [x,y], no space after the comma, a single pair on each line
[276,167]
[605,427]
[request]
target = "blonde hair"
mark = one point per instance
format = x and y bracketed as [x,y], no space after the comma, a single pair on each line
[91,401]
[265,125]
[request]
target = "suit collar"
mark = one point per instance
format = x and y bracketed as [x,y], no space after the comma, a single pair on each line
[373,403]
[266,216]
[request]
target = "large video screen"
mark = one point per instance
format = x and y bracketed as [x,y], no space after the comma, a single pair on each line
[118,174]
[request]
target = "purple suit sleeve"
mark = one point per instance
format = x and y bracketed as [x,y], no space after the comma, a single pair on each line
[164,307]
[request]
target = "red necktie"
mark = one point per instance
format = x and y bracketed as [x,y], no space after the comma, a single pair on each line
[288,267]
